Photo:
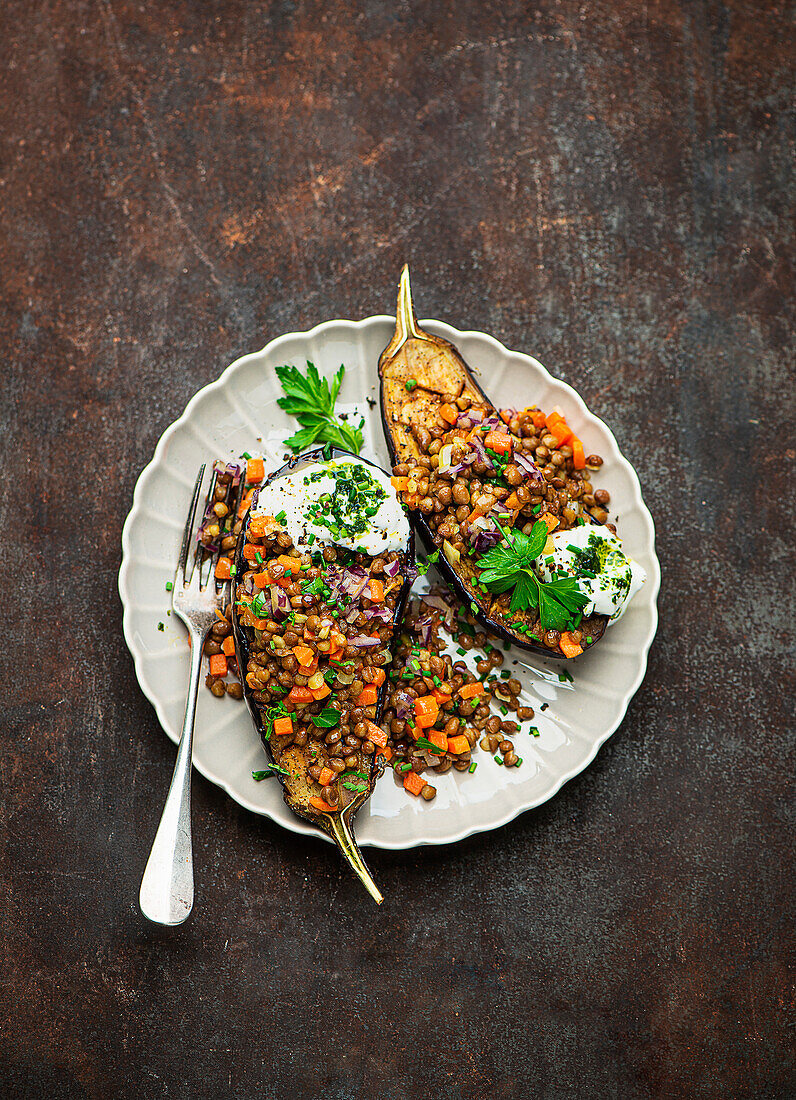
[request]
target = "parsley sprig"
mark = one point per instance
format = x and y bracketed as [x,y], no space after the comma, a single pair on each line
[510,566]
[311,400]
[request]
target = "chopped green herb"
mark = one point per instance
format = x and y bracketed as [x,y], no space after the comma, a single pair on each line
[534,732]
[266,773]
[169,586]
[280,517]
[410,384]
[472,767]
[498,759]
[327,719]
[565,677]
[161,626]
[246,455]
[429,746]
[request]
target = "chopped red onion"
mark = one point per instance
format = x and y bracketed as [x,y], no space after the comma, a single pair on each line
[392,568]
[482,455]
[353,581]
[381,614]
[425,624]
[485,540]
[528,467]
[280,600]
[404,705]
[364,640]
[469,418]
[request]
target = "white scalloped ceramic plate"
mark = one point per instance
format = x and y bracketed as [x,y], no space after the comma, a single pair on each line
[231,416]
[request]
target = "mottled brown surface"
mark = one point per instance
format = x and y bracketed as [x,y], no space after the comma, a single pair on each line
[604,185]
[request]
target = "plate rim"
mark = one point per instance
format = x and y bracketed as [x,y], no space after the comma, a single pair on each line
[453,334]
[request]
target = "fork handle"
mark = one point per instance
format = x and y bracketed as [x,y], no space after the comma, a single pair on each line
[166,894]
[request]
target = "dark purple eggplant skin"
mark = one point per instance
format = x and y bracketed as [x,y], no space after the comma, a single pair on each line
[243,650]
[408,330]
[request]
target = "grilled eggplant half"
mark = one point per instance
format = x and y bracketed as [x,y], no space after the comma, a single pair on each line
[432,405]
[313,620]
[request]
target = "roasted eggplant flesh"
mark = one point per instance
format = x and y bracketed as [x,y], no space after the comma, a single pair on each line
[470,475]
[313,625]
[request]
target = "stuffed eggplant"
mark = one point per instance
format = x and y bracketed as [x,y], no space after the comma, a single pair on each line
[323,567]
[524,546]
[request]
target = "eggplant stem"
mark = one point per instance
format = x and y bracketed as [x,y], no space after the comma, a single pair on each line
[405,320]
[344,838]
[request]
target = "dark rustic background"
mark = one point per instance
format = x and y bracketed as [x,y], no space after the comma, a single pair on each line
[603,184]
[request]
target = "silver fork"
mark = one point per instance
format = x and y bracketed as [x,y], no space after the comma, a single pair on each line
[166,894]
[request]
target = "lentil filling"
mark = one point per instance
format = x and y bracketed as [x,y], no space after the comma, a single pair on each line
[477,475]
[319,624]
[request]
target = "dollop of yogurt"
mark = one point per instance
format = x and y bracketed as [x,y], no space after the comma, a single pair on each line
[348,503]
[593,555]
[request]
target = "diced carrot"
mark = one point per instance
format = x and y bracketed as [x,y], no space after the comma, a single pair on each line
[449,413]
[538,418]
[399,483]
[414,783]
[304,655]
[562,432]
[376,590]
[245,503]
[379,676]
[386,752]
[251,550]
[569,647]
[469,691]
[368,696]
[255,470]
[578,454]
[228,646]
[441,696]
[376,734]
[218,665]
[262,580]
[324,807]
[321,692]
[223,569]
[299,695]
[259,525]
[326,776]
[438,738]
[283,726]
[513,501]
[426,711]
[292,565]
[553,418]
[458,744]
[505,415]
[498,441]
[550,520]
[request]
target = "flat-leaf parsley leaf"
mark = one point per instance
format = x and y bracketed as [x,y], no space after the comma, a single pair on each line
[311,401]
[510,566]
